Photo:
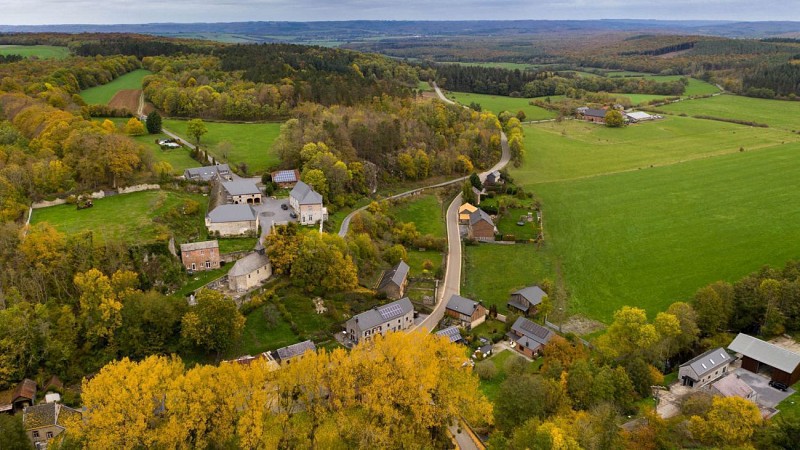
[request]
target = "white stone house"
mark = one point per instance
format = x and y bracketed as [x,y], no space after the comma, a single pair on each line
[242,192]
[232,220]
[307,203]
[249,272]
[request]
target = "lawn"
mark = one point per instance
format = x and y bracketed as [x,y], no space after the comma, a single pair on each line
[651,237]
[230,245]
[259,335]
[499,103]
[695,86]
[508,224]
[103,94]
[493,271]
[416,258]
[575,149]
[775,113]
[250,143]
[790,406]
[39,51]
[425,211]
[200,279]
[491,388]
[178,158]
[127,217]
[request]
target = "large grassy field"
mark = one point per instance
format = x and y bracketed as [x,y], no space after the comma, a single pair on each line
[651,237]
[775,113]
[250,143]
[426,213]
[493,271]
[575,149]
[695,86]
[128,217]
[499,103]
[39,51]
[103,94]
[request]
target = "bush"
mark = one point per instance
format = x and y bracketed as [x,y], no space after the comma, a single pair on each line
[515,365]
[486,370]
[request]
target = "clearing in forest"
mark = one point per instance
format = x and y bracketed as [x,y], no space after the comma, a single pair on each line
[500,103]
[102,95]
[39,51]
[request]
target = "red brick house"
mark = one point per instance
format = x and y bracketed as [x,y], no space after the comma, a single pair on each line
[594,115]
[200,256]
[481,227]
[529,338]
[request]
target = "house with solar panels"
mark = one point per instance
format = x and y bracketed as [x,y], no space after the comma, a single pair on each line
[285,178]
[451,333]
[705,368]
[307,204]
[395,316]
[529,338]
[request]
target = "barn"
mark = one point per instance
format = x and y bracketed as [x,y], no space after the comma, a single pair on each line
[762,357]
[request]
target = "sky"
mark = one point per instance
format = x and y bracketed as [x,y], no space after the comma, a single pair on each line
[38,12]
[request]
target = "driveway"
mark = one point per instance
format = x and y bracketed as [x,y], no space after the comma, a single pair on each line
[767,396]
[270,211]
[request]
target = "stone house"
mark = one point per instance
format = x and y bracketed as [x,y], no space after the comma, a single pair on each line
[46,421]
[705,368]
[528,337]
[17,399]
[395,316]
[232,220]
[594,115]
[208,173]
[394,281]
[249,272]
[481,227]
[468,312]
[527,299]
[242,192]
[200,256]
[307,204]
[286,354]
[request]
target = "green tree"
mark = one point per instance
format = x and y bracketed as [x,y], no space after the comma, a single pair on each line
[525,396]
[215,323]
[467,194]
[614,119]
[322,262]
[714,307]
[316,179]
[394,254]
[196,128]
[731,421]
[475,180]
[153,123]
[12,433]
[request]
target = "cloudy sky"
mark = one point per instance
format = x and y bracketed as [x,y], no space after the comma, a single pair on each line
[35,12]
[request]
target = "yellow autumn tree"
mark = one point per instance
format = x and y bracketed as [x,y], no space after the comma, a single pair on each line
[100,306]
[731,421]
[134,127]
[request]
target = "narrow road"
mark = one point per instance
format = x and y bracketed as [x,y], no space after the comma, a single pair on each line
[452,275]
[143,118]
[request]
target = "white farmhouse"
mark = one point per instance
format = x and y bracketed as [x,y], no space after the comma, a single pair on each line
[307,203]
[232,220]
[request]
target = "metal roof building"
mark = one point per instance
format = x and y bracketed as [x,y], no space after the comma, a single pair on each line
[760,356]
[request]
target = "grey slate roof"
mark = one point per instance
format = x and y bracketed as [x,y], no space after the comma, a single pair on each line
[207,173]
[532,333]
[478,216]
[708,361]
[595,113]
[462,305]
[199,245]
[451,333]
[232,213]
[534,294]
[305,195]
[397,275]
[764,352]
[241,187]
[46,414]
[293,350]
[382,314]
[248,264]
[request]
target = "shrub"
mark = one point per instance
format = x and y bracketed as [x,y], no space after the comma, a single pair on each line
[486,370]
[515,365]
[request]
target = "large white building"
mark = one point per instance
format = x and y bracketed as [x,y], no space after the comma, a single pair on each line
[395,316]
[307,203]
[232,220]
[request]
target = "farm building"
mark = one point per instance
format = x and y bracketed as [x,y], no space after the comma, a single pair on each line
[307,203]
[464,211]
[705,368]
[638,116]
[394,281]
[481,227]
[249,272]
[46,421]
[732,386]
[232,220]
[594,115]
[395,316]
[285,178]
[451,333]
[16,399]
[759,356]
[529,337]
[527,299]
[242,192]
[199,256]
[286,354]
[469,313]
[208,173]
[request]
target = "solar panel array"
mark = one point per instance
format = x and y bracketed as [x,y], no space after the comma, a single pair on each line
[390,311]
[535,329]
[285,176]
[452,333]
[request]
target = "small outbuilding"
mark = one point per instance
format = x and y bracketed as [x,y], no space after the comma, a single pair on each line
[208,173]
[526,300]
[18,398]
[762,357]
[464,211]
[732,386]
[286,178]
[394,281]
[451,333]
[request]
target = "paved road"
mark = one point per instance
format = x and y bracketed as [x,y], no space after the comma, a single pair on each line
[452,275]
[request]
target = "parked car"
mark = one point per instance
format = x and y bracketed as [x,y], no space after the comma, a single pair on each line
[778,385]
[293,215]
[284,206]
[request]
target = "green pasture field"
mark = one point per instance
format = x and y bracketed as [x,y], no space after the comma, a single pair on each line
[695,86]
[424,86]
[775,113]
[651,237]
[491,272]
[625,73]
[425,212]
[127,217]
[251,143]
[574,149]
[101,95]
[499,103]
[415,258]
[39,51]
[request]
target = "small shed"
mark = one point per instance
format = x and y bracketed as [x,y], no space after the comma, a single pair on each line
[527,299]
